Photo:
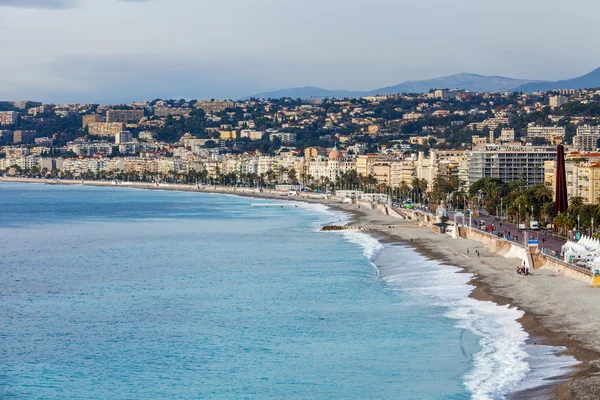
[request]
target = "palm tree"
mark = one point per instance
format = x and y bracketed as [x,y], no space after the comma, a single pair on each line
[576,202]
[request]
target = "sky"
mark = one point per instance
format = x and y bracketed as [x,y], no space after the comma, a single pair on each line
[116,51]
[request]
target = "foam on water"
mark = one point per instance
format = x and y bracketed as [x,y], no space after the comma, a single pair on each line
[503,364]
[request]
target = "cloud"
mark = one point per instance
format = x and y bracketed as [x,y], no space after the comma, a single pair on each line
[48,4]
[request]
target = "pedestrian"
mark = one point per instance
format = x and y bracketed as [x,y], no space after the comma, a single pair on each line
[467,250]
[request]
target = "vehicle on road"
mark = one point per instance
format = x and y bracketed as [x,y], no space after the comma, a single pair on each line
[535,225]
[521,226]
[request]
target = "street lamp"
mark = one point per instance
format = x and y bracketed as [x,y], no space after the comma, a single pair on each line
[592,231]
[578,223]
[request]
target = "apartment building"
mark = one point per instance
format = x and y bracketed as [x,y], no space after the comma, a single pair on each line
[106,128]
[510,163]
[507,135]
[547,133]
[214,106]
[123,137]
[558,101]
[404,171]
[8,117]
[166,111]
[287,139]
[252,135]
[88,149]
[124,115]
[586,138]
[90,119]
[23,137]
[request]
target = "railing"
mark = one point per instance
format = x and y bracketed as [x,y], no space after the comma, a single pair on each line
[577,268]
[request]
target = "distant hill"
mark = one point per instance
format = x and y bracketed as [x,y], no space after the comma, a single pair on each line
[591,80]
[307,92]
[466,81]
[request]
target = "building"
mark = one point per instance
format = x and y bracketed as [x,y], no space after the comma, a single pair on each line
[90,119]
[106,128]
[586,138]
[43,141]
[547,133]
[124,115]
[507,135]
[402,172]
[252,135]
[582,179]
[213,106]
[166,111]
[8,117]
[286,138]
[510,163]
[558,101]
[88,149]
[313,152]
[123,137]
[23,137]
[442,94]
[330,167]
[146,135]
[227,135]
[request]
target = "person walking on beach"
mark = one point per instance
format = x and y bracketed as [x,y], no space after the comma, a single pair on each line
[467,250]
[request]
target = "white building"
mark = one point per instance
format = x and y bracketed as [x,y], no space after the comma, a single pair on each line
[558,101]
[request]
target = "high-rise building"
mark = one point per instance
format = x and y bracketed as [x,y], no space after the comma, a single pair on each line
[557,101]
[124,115]
[23,137]
[8,117]
[123,137]
[510,163]
[106,128]
[212,106]
[90,119]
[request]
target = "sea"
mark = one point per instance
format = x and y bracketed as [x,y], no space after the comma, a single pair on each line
[119,293]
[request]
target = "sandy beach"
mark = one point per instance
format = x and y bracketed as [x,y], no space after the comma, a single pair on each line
[558,311]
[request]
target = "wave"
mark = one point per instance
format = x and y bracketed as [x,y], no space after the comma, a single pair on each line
[371,246]
[504,363]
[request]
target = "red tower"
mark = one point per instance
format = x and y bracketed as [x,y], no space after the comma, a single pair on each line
[561,202]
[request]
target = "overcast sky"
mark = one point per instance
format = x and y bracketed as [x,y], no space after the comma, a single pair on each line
[126,50]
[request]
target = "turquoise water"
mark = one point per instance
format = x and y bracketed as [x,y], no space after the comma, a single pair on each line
[125,294]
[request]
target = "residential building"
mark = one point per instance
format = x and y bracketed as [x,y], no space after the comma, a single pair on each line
[90,119]
[123,137]
[286,138]
[23,137]
[402,172]
[546,132]
[106,128]
[8,117]
[124,115]
[507,135]
[586,138]
[166,111]
[510,163]
[227,135]
[558,101]
[214,106]
[252,135]
[43,141]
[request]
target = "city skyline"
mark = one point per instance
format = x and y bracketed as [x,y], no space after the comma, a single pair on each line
[92,51]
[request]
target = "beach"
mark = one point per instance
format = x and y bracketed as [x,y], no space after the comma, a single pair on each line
[558,311]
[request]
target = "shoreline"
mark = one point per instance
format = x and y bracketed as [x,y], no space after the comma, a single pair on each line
[583,382]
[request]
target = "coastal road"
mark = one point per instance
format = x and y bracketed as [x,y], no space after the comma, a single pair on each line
[546,240]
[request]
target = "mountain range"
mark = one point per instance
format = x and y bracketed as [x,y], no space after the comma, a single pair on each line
[465,81]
